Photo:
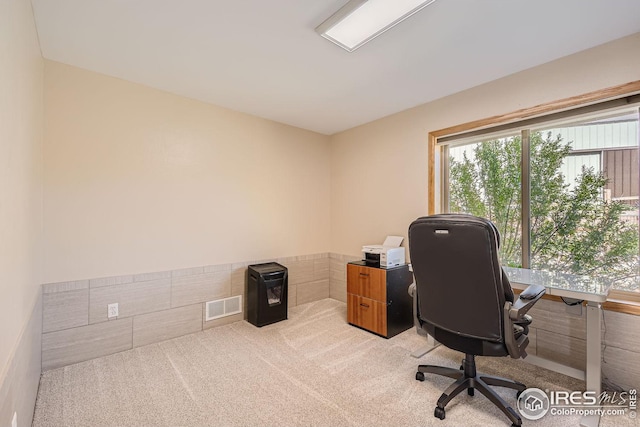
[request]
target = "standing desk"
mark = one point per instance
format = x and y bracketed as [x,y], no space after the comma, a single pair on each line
[591,290]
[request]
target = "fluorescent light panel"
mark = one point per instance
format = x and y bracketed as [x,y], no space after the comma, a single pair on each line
[359,21]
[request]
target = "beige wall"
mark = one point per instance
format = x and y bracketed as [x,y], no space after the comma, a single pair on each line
[140,180]
[379,170]
[20,173]
[21,120]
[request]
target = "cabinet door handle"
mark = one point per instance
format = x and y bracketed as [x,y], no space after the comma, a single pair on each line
[364,274]
[364,305]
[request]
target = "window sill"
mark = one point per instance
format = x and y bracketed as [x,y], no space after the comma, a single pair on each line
[627,307]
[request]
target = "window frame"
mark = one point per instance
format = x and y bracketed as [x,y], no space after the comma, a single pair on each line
[437,161]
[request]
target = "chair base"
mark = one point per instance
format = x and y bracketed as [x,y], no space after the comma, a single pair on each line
[467,378]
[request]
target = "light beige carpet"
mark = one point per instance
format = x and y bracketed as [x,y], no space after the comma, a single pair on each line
[310,370]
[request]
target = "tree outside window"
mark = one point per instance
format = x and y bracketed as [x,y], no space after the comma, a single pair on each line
[577,223]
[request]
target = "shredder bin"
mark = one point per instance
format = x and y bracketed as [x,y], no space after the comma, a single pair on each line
[267,293]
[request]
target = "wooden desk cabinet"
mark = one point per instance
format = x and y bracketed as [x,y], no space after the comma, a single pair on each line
[377,298]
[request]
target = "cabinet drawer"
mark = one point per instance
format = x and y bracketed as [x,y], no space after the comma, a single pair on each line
[367,313]
[367,282]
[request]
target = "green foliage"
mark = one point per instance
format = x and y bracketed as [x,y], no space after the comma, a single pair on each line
[573,230]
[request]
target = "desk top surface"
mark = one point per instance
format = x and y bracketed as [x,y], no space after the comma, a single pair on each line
[560,284]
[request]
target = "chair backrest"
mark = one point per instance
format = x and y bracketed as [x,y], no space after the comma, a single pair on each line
[459,280]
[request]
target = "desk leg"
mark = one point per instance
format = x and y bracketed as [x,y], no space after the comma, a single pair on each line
[431,344]
[594,357]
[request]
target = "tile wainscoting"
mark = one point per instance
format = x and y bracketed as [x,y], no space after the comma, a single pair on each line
[338,275]
[163,305]
[19,387]
[157,306]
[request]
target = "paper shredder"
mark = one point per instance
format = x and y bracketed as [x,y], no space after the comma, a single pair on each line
[266,293]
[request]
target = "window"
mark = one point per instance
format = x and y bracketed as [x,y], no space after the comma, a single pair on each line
[484,180]
[564,194]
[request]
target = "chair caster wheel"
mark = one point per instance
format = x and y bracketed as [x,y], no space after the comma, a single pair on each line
[439,413]
[470,391]
[419,376]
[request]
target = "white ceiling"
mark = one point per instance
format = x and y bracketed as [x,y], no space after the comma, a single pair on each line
[264,58]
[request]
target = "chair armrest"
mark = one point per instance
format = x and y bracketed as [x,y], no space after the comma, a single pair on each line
[516,311]
[527,298]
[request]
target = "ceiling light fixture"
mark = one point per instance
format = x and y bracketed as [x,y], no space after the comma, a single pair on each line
[360,21]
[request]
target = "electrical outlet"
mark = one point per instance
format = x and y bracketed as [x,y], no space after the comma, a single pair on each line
[14,420]
[112,310]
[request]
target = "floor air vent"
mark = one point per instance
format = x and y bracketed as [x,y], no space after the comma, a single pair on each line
[223,307]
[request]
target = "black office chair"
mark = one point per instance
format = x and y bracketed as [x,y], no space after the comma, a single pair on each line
[465,301]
